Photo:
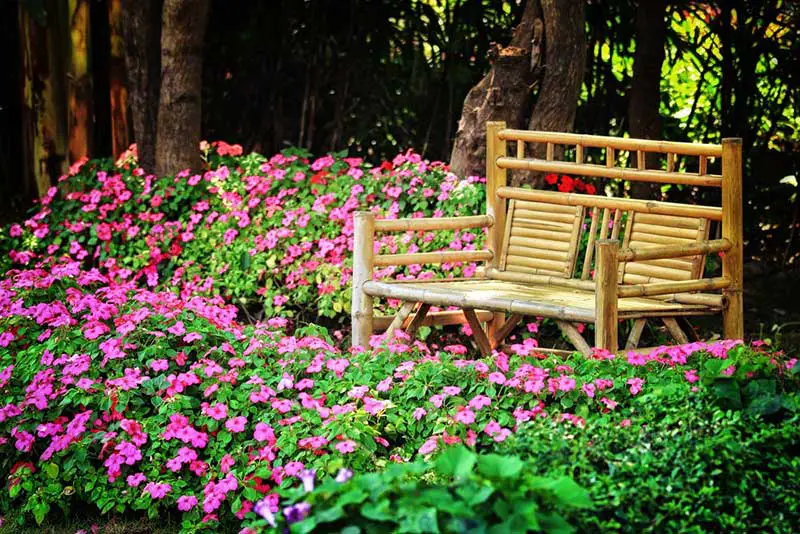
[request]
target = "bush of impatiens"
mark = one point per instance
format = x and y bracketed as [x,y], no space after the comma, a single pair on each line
[159,356]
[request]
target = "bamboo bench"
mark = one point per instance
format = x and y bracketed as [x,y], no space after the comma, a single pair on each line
[533,240]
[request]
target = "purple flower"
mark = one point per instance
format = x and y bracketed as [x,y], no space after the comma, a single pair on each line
[307,476]
[344,475]
[262,509]
[296,512]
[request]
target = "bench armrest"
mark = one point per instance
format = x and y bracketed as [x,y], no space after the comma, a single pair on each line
[674,251]
[434,223]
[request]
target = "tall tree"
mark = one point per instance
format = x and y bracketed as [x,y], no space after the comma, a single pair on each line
[179,109]
[645,92]
[141,30]
[565,60]
[501,95]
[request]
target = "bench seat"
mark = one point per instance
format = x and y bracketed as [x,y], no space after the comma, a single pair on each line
[526,299]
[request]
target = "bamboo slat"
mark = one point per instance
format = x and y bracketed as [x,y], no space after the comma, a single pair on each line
[550,152]
[541,280]
[550,235]
[554,255]
[641,160]
[572,334]
[507,234]
[689,223]
[434,223]
[699,261]
[616,224]
[675,251]
[542,244]
[495,179]
[670,162]
[587,260]
[604,224]
[640,206]
[702,168]
[616,173]
[525,207]
[663,288]
[530,217]
[445,256]
[520,149]
[418,320]
[528,228]
[578,153]
[620,143]
[656,273]
[657,239]
[577,230]
[610,157]
[714,301]
[668,231]
[518,257]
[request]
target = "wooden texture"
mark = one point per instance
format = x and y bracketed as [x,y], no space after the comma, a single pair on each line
[635,334]
[616,173]
[675,330]
[433,223]
[445,256]
[362,303]
[587,259]
[118,88]
[480,337]
[665,288]
[539,279]
[674,251]
[508,326]
[606,310]
[419,319]
[80,118]
[399,319]
[619,143]
[732,261]
[640,206]
[439,318]
[574,337]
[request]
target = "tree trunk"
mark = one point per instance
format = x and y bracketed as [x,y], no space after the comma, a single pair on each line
[502,95]
[179,113]
[120,134]
[565,59]
[645,93]
[141,28]
[79,82]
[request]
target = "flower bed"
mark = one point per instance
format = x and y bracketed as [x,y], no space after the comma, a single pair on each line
[130,381]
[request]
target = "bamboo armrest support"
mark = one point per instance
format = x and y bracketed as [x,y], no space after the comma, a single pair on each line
[674,251]
[434,223]
[444,256]
[666,288]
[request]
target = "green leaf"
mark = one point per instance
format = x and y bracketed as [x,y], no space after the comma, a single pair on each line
[421,522]
[570,492]
[456,462]
[51,469]
[473,495]
[496,466]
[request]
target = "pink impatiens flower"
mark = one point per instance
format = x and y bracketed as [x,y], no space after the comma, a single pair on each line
[346,447]
[236,424]
[186,502]
[635,385]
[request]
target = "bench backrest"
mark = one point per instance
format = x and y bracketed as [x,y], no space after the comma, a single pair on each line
[540,232]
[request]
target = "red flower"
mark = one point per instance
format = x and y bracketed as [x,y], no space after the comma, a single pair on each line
[566,185]
[386,165]
[551,179]
[590,189]
[319,178]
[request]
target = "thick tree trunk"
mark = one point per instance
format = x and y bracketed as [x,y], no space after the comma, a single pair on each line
[141,28]
[79,82]
[44,125]
[120,129]
[502,95]
[179,113]
[565,59]
[645,93]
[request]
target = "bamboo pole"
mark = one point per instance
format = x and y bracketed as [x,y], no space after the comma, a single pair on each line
[522,278]
[508,326]
[574,337]
[665,288]
[587,259]
[620,143]
[637,205]
[606,312]
[714,301]
[635,334]
[675,330]
[616,173]
[496,178]
[363,252]
[444,256]
[480,337]
[574,243]
[398,320]
[675,251]
[418,320]
[732,262]
[438,296]
[433,223]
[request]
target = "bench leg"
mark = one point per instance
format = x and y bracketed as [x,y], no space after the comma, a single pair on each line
[636,333]
[500,335]
[418,319]
[606,313]
[477,332]
[399,319]
[363,262]
[575,337]
[675,330]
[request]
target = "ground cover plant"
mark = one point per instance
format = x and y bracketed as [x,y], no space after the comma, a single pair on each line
[174,346]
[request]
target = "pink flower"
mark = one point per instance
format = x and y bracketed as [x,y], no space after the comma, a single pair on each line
[451,390]
[497,378]
[479,401]
[177,329]
[691,376]
[157,490]
[589,389]
[159,365]
[385,384]
[135,480]
[465,416]
[609,403]
[437,400]
[218,411]
[236,424]
[186,502]
[429,446]
[635,385]
[264,432]
[419,413]
[346,447]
